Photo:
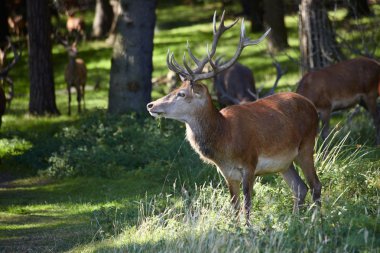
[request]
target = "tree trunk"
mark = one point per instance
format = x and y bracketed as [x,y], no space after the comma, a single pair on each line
[318,45]
[131,67]
[274,17]
[4,31]
[103,18]
[358,8]
[42,95]
[253,9]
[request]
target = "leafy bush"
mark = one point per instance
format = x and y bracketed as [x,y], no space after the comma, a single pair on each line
[104,145]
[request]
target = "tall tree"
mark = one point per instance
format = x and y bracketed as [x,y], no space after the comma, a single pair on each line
[254,11]
[42,94]
[103,18]
[317,38]
[358,8]
[4,31]
[274,17]
[131,67]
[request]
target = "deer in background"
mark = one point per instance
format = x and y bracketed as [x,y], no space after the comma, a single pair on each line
[248,140]
[6,98]
[75,25]
[342,86]
[236,85]
[75,73]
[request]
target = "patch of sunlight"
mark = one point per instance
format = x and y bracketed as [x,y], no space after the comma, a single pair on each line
[31,225]
[53,210]
[99,63]
[14,146]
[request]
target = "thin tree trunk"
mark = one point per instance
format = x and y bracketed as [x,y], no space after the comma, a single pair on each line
[318,45]
[274,17]
[253,9]
[103,18]
[131,68]
[42,95]
[358,8]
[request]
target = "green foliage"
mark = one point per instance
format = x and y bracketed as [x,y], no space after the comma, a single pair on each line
[106,146]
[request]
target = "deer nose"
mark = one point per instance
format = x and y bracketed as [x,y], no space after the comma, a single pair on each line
[149,106]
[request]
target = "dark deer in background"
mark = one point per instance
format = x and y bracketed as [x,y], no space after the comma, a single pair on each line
[343,86]
[248,140]
[75,73]
[6,97]
[236,85]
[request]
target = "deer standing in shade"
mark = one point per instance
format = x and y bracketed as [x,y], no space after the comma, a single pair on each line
[75,74]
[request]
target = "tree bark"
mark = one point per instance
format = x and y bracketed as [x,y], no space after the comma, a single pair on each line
[254,11]
[358,8]
[42,94]
[4,31]
[131,67]
[103,18]
[274,17]
[318,45]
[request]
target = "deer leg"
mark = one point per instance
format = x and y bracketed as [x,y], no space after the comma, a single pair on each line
[325,119]
[306,162]
[79,96]
[372,108]
[298,187]
[248,181]
[234,187]
[69,93]
[84,101]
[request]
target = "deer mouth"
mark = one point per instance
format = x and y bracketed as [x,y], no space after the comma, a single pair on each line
[156,114]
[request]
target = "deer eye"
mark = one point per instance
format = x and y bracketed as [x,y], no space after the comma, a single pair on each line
[181,94]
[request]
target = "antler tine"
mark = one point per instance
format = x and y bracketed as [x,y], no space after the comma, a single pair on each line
[17,55]
[186,65]
[247,41]
[174,66]
[191,54]
[280,73]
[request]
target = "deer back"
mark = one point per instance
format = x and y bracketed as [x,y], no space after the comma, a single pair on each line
[76,72]
[345,81]
[237,82]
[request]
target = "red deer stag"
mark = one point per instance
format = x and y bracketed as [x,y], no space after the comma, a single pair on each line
[248,140]
[342,86]
[6,98]
[75,73]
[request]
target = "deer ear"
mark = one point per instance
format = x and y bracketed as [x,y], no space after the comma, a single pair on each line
[198,90]
[182,78]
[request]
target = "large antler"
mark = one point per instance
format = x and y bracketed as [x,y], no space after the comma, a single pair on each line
[196,74]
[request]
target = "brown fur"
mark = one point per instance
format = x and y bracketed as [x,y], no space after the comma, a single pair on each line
[76,76]
[226,88]
[245,141]
[342,86]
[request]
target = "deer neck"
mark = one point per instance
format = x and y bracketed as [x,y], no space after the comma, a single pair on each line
[204,131]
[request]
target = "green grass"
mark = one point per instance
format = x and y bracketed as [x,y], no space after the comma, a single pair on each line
[101,183]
